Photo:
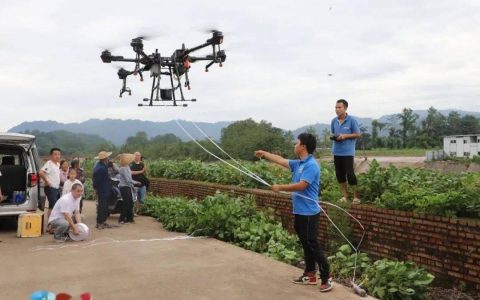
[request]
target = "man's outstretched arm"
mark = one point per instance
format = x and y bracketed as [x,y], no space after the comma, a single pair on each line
[277,159]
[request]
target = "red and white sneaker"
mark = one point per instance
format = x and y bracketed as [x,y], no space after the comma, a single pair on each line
[307,278]
[326,287]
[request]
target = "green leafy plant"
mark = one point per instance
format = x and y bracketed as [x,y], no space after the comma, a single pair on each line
[393,280]
[342,264]
[235,220]
[424,191]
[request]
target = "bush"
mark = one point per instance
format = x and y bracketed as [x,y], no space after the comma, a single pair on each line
[424,191]
[384,279]
[393,280]
[235,220]
[342,264]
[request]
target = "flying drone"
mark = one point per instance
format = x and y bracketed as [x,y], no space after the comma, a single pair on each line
[174,67]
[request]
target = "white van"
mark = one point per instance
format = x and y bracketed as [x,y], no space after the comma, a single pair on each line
[19,179]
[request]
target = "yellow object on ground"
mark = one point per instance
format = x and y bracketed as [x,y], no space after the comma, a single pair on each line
[29,225]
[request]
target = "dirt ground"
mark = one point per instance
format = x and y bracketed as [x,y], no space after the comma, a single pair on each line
[143,261]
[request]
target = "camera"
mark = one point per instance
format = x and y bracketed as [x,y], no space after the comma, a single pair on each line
[333,137]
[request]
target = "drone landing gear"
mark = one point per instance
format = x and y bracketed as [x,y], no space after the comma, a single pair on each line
[166,96]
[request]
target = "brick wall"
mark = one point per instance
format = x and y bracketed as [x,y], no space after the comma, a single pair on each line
[448,248]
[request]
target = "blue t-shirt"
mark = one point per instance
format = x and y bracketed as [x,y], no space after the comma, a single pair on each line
[307,170]
[349,126]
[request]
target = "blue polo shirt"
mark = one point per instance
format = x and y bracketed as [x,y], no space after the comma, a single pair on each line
[349,126]
[307,170]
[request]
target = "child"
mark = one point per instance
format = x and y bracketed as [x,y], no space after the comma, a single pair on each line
[67,186]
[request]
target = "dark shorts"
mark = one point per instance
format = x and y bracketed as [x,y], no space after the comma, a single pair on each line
[344,169]
[52,196]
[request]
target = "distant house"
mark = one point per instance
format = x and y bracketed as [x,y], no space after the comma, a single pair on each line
[462,145]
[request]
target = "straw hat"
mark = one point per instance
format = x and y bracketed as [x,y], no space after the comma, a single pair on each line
[102,155]
[125,158]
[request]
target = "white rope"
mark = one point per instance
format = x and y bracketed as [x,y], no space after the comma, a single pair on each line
[233,159]
[206,150]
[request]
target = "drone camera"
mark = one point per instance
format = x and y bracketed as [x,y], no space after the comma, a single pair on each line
[166,94]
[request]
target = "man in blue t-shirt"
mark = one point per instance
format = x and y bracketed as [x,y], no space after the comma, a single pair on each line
[345,132]
[305,188]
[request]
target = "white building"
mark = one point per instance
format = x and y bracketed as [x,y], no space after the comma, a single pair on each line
[462,145]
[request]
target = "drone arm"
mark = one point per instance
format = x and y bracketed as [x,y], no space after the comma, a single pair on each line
[187,51]
[120,58]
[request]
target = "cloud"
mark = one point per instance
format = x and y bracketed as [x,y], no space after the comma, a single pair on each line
[382,56]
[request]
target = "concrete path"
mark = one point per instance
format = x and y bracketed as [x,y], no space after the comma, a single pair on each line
[143,261]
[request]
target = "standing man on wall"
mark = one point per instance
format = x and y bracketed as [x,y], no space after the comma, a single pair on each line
[345,132]
[305,188]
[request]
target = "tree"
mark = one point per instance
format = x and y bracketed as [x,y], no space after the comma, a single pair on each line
[407,126]
[325,140]
[454,123]
[432,130]
[242,138]
[310,129]
[470,125]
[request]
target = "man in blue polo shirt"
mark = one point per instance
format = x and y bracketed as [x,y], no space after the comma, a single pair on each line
[305,191]
[345,132]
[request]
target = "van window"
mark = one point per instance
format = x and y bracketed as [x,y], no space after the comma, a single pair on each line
[10,159]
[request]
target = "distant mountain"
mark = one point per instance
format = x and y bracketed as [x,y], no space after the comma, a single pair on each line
[117,131]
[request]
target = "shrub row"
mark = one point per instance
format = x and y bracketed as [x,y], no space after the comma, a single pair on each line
[407,189]
[234,220]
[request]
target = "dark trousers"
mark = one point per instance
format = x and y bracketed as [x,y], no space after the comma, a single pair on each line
[102,210]
[126,214]
[344,169]
[52,196]
[306,228]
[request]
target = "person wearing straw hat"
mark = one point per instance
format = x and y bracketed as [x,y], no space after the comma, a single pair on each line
[127,187]
[101,184]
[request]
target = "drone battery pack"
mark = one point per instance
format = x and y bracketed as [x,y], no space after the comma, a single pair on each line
[29,225]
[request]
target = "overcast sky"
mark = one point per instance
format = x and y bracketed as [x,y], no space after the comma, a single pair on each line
[383,56]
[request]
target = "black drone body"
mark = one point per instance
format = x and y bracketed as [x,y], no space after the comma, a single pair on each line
[175,66]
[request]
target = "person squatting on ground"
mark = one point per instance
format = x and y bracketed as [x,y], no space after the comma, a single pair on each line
[50,174]
[101,185]
[127,188]
[66,213]
[305,182]
[345,132]
[139,171]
